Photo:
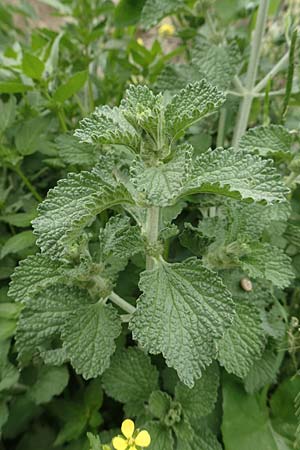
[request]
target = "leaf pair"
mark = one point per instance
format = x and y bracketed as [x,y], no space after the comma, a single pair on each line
[142,111]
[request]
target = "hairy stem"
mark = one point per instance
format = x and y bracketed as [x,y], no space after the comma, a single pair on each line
[246,103]
[152,224]
[239,85]
[262,94]
[221,127]
[115,298]
[277,68]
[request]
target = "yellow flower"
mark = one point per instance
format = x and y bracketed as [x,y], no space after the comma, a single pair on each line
[131,439]
[140,42]
[166,30]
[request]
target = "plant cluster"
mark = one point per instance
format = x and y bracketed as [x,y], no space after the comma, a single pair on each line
[150,223]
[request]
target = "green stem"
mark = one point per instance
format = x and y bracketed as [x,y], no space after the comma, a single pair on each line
[277,68]
[262,94]
[62,120]
[152,226]
[28,184]
[266,110]
[115,298]
[81,107]
[221,127]
[91,97]
[239,85]
[289,181]
[290,77]
[246,103]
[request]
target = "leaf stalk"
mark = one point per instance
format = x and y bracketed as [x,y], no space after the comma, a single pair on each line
[123,304]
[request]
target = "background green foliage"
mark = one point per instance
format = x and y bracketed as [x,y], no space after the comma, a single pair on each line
[70,369]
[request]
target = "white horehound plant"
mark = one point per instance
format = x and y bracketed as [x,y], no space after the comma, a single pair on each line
[145,175]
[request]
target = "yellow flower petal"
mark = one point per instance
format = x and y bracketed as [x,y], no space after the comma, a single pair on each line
[143,439]
[133,447]
[166,30]
[119,443]
[128,428]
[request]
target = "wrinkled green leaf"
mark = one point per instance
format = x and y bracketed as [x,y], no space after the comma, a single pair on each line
[183,311]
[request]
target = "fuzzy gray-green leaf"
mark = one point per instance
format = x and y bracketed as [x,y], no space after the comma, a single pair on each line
[107,126]
[271,263]
[191,104]
[71,206]
[267,140]
[183,311]
[131,377]
[161,184]
[44,316]
[218,63]
[34,273]
[243,342]
[200,400]
[236,174]
[89,338]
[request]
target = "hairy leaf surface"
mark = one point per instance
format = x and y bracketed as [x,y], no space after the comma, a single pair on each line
[263,371]
[71,206]
[216,63]
[89,338]
[155,10]
[161,184]
[243,342]
[74,152]
[267,262]
[161,436]
[44,317]
[119,239]
[236,174]
[183,311]
[200,400]
[131,377]
[87,330]
[107,126]
[267,140]
[191,104]
[33,274]
[142,108]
